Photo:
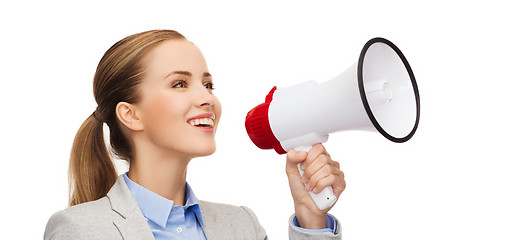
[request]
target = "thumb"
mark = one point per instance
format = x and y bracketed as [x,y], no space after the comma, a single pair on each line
[298,190]
[293,158]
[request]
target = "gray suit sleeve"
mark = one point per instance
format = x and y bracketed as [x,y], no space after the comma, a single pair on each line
[296,234]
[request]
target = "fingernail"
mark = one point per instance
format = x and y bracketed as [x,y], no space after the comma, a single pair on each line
[308,188]
[304,180]
[302,166]
[301,154]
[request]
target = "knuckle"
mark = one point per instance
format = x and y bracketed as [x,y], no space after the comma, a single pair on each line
[312,179]
[320,185]
[310,185]
[329,168]
[323,159]
[323,183]
[336,164]
[306,175]
[321,148]
[343,186]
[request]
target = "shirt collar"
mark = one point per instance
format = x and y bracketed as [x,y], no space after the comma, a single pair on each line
[157,208]
[191,201]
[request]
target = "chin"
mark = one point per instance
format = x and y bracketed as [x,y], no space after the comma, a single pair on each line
[203,151]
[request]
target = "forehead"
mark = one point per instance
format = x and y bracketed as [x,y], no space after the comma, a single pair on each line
[173,55]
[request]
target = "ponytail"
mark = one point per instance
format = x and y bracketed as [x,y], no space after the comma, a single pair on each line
[91,171]
[118,75]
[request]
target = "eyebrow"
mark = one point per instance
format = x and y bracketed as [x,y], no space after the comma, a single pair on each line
[186,73]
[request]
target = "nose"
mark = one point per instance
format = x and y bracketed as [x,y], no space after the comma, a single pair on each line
[206,99]
[208,105]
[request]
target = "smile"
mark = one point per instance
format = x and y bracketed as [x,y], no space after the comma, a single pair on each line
[202,122]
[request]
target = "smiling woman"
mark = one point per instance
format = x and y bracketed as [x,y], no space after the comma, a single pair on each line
[161,116]
[155,93]
[91,171]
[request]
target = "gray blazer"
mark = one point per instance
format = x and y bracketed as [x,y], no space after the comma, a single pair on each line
[117,216]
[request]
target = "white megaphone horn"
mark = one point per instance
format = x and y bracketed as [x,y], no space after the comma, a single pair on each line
[377,93]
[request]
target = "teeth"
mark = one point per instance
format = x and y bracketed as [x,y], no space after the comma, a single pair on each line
[201,121]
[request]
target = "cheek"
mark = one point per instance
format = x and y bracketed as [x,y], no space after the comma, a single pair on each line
[163,112]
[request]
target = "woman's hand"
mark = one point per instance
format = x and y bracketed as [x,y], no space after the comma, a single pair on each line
[320,171]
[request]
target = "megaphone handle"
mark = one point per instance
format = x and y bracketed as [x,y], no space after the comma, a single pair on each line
[324,199]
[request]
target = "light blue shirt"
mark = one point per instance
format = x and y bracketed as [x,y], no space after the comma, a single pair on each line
[169,221]
[166,220]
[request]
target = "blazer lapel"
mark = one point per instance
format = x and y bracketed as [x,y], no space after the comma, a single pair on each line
[129,221]
[210,227]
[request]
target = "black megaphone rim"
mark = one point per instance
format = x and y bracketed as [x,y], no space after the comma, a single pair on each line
[364,97]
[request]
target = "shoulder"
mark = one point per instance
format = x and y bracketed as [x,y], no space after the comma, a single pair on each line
[226,211]
[79,221]
[221,208]
[87,209]
[242,221]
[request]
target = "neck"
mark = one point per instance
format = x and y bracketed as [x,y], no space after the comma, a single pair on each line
[164,174]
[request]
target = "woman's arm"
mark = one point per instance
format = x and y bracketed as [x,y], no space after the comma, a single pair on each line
[320,171]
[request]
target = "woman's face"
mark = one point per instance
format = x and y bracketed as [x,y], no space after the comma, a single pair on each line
[178,110]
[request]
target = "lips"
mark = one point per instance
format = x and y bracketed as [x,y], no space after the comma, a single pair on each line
[205,120]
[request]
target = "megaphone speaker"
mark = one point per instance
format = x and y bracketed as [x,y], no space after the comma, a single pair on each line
[378,93]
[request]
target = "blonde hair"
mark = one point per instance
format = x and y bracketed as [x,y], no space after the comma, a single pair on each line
[91,170]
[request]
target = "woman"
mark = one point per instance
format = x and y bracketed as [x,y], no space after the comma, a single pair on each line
[154,92]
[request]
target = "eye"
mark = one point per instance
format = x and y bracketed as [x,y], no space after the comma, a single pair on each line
[180,84]
[209,85]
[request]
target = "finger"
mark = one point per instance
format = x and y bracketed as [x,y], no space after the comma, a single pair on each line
[317,164]
[296,156]
[310,167]
[335,181]
[322,173]
[316,150]
[334,163]
[292,159]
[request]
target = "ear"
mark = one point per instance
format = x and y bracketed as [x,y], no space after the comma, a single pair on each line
[127,115]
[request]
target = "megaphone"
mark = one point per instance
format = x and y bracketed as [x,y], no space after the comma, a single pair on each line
[378,93]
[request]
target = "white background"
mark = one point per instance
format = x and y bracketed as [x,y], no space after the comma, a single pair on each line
[459,177]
